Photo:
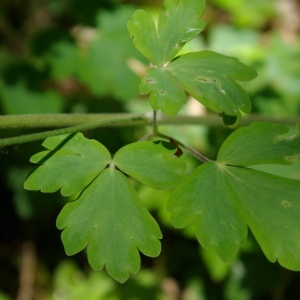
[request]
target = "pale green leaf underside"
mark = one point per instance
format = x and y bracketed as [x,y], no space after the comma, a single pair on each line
[222,200]
[152,163]
[211,79]
[177,24]
[109,219]
[165,91]
[260,143]
[70,164]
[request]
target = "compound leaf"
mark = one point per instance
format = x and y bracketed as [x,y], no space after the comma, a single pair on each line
[177,24]
[223,198]
[165,91]
[208,76]
[70,164]
[261,143]
[211,79]
[152,163]
[109,219]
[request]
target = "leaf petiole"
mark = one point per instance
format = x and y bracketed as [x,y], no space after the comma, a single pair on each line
[192,151]
[155,132]
[154,124]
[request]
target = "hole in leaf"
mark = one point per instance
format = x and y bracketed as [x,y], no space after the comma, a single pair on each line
[228,120]
[165,144]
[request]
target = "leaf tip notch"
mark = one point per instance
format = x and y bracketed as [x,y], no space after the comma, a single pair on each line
[178,23]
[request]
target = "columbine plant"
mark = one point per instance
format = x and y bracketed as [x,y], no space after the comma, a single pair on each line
[223,198]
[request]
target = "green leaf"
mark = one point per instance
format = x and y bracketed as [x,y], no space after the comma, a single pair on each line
[222,199]
[208,76]
[103,68]
[205,197]
[271,207]
[63,60]
[70,164]
[109,219]
[152,163]
[165,91]
[211,79]
[261,143]
[19,98]
[288,171]
[177,24]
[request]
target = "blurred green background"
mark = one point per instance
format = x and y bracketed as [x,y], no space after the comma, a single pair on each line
[75,56]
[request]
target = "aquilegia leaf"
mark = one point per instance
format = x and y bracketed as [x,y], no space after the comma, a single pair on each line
[70,164]
[211,79]
[165,91]
[261,143]
[177,24]
[152,163]
[109,219]
[224,197]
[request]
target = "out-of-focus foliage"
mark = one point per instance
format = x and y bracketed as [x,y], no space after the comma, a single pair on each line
[276,90]
[71,283]
[255,13]
[76,56]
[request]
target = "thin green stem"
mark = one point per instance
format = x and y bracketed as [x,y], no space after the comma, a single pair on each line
[117,121]
[148,135]
[82,122]
[58,120]
[154,125]
[66,120]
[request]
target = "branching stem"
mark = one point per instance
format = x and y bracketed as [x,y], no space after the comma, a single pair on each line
[65,120]
[154,125]
[83,122]
[155,133]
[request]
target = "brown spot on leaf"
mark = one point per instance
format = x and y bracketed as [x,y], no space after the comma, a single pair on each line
[205,80]
[150,81]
